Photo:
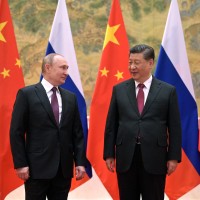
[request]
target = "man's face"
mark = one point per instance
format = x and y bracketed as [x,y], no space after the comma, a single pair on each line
[139,68]
[58,71]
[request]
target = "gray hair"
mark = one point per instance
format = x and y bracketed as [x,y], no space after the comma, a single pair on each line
[48,59]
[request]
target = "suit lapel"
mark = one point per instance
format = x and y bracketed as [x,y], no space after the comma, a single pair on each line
[65,105]
[131,94]
[42,95]
[153,92]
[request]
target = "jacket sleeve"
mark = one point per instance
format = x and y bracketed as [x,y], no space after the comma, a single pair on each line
[78,138]
[111,128]
[174,128]
[18,129]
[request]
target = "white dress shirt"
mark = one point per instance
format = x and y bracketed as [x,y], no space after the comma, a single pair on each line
[48,86]
[146,89]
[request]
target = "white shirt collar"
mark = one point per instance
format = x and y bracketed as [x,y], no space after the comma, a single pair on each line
[147,83]
[47,86]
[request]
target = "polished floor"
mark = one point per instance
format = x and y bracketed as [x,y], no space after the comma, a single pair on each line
[94,190]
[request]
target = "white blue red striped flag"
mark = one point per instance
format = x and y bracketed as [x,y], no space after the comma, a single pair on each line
[61,42]
[173,67]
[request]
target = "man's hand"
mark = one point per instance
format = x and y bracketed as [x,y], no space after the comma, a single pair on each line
[23,173]
[110,163]
[171,166]
[80,172]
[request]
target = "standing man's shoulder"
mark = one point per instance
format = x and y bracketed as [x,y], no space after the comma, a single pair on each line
[30,87]
[163,83]
[66,92]
[124,83]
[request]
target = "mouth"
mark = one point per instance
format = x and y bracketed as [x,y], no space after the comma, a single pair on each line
[64,78]
[134,73]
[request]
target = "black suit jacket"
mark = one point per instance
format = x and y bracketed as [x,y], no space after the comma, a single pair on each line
[36,139]
[158,125]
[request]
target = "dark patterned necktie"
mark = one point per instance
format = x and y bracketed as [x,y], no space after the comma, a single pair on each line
[54,105]
[140,97]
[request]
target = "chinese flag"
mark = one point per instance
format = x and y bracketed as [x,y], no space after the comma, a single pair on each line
[11,79]
[112,70]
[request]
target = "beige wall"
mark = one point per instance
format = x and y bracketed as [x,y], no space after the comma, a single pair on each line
[144,20]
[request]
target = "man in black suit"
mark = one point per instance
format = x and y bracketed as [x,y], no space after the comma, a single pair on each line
[144,139]
[44,150]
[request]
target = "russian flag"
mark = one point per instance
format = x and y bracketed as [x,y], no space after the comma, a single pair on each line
[173,67]
[61,42]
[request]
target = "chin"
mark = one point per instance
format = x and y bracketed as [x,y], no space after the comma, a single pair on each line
[134,77]
[63,81]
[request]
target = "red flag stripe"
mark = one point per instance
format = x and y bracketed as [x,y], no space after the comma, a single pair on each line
[175,187]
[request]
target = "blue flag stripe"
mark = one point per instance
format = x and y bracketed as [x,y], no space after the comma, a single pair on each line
[69,84]
[187,106]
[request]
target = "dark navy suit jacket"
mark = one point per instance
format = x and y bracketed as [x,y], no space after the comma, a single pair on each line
[36,139]
[158,126]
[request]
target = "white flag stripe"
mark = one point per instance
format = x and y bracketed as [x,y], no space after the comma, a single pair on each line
[63,33]
[176,49]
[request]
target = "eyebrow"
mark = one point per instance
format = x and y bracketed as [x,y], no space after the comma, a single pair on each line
[67,66]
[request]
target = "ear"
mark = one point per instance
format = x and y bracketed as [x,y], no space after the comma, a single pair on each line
[151,63]
[47,67]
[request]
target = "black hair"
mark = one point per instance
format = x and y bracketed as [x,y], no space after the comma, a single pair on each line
[148,52]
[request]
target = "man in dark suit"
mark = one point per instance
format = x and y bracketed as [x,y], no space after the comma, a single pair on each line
[45,144]
[143,131]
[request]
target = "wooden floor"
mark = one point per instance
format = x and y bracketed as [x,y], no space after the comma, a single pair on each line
[94,190]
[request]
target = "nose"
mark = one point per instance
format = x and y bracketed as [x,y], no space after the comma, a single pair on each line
[132,66]
[66,71]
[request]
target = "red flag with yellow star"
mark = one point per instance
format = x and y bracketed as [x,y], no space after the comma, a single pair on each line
[112,70]
[11,79]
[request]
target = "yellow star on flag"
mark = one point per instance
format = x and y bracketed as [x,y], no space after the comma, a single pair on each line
[18,63]
[119,75]
[5,73]
[2,25]
[104,72]
[110,35]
